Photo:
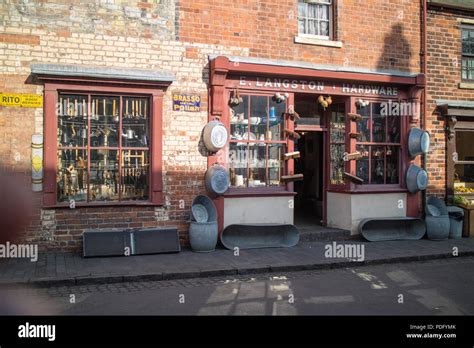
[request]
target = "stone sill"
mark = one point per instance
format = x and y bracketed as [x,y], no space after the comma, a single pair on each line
[308,40]
[465,21]
[466,85]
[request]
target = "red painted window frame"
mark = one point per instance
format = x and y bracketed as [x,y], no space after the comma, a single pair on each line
[288,168]
[51,92]
[403,158]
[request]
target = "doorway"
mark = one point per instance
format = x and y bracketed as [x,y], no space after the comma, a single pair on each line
[309,200]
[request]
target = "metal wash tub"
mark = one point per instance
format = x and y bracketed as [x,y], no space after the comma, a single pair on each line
[398,228]
[253,236]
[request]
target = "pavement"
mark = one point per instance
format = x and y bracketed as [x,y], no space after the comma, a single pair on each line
[67,269]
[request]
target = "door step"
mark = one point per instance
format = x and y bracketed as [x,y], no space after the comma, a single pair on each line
[321,233]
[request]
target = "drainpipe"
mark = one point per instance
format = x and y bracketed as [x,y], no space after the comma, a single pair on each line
[424,55]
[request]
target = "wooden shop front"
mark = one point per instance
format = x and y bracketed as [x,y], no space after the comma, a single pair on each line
[312,143]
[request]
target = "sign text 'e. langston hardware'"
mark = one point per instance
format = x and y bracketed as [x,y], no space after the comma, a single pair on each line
[186,102]
[319,86]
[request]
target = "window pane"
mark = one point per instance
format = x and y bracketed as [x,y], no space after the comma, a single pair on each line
[337,146]
[313,11]
[467,41]
[324,28]
[363,125]
[464,172]
[393,130]
[258,118]
[135,175]
[104,180]
[275,164]
[393,154]
[337,124]
[104,121]
[301,26]
[464,145]
[276,120]
[238,155]
[378,124]
[72,120]
[239,118]
[135,125]
[312,27]
[302,9]
[257,164]
[362,165]
[337,164]
[378,164]
[72,175]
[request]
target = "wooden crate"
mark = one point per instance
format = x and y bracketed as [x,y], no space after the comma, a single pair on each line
[468,229]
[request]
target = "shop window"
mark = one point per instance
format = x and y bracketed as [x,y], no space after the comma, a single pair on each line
[467,66]
[315,18]
[337,144]
[464,163]
[379,142]
[103,152]
[257,142]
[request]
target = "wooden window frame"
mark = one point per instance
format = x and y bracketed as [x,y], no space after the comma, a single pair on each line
[468,57]
[285,188]
[51,92]
[403,157]
[373,143]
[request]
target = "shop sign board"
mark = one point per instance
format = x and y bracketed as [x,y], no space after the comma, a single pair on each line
[22,100]
[313,85]
[186,102]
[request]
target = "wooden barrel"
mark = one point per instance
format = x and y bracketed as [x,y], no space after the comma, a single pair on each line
[215,136]
[217,180]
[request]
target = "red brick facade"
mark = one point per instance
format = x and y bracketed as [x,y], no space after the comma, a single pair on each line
[178,37]
[375,34]
[443,83]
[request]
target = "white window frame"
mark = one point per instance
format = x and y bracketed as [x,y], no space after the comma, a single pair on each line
[328,3]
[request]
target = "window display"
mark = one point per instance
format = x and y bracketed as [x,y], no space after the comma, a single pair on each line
[103,152]
[337,144]
[464,164]
[256,142]
[379,144]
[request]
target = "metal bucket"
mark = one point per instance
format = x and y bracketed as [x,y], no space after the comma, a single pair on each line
[215,136]
[203,202]
[217,180]
[456,217]
[203,236]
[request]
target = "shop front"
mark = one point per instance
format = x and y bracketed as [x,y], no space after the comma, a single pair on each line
[312,144]
[459,116]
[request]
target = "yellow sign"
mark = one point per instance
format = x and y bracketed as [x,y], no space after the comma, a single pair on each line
[23,100]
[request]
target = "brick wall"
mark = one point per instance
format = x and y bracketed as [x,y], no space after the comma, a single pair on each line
[444,76]
[176,36]
[374,33]
[111,37]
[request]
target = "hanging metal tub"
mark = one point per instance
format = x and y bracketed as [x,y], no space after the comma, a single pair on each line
[216,180]
[397,228]
[254,236]
[215,136]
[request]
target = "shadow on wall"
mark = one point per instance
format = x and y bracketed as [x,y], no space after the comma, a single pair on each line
[397,52]
[16,205]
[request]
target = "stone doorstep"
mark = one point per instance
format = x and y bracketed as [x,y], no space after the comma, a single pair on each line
[325,265]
